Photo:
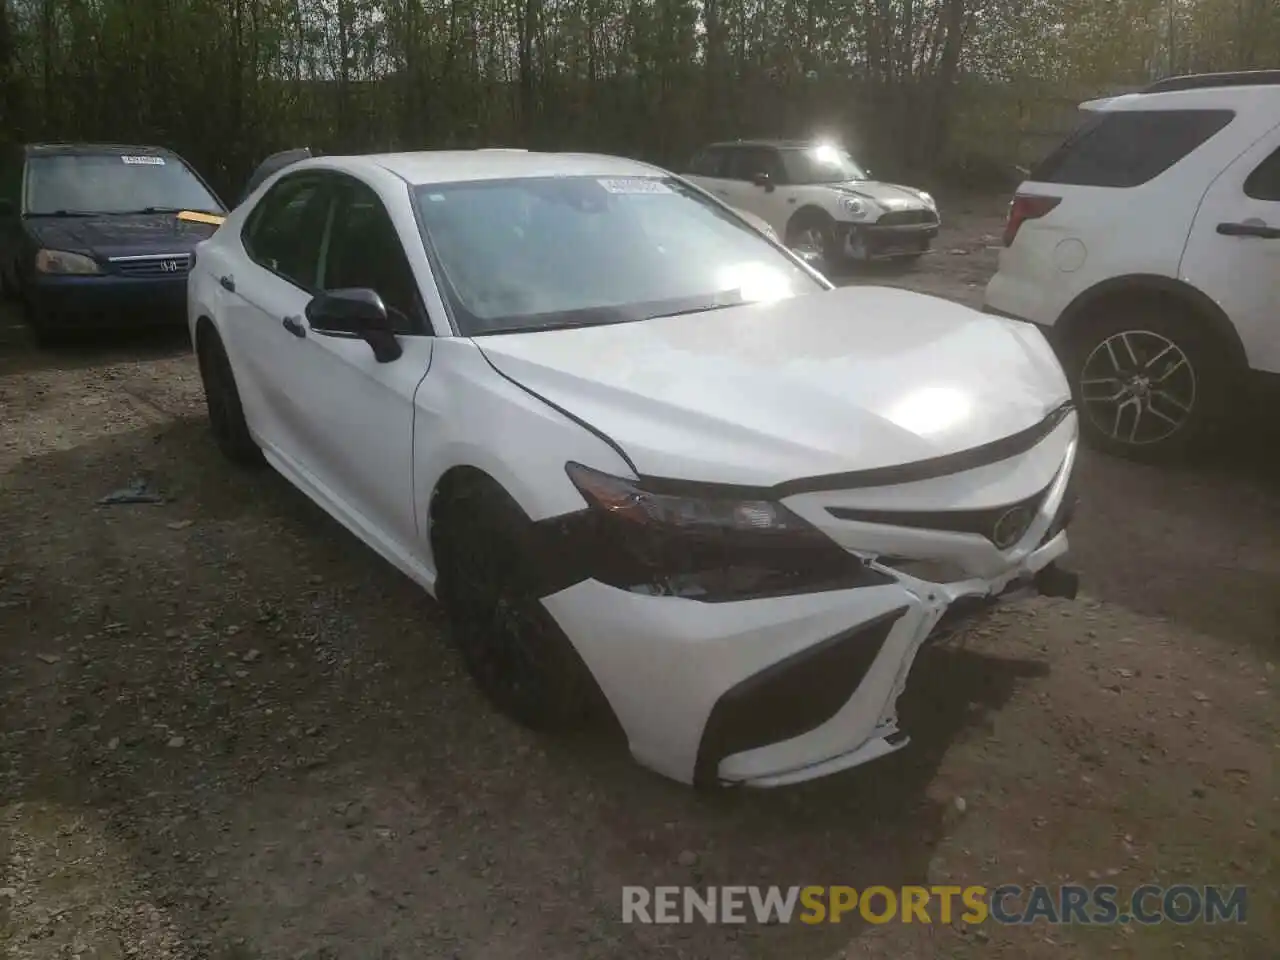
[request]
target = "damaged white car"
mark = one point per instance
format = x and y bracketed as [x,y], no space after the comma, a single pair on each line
[644,456]
[819,199]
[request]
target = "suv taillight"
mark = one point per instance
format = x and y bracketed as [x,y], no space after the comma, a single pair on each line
[1023,208]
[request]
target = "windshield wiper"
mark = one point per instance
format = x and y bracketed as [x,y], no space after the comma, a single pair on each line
[692,310]
[61,213]
[125,213]
[558,325]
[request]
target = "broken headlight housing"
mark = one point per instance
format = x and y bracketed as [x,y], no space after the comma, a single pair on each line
[708,548]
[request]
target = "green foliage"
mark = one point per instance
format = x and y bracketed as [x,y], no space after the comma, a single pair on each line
[910,83]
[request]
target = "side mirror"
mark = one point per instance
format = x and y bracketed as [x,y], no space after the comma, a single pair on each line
[357,312]
[7,208]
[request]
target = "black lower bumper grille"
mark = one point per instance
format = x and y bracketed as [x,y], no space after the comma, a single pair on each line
[790,697]
[906,218]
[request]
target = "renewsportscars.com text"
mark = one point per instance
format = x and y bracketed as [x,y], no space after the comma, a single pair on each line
[1006,904]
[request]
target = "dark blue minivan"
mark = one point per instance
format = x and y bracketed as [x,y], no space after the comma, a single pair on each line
[95,235]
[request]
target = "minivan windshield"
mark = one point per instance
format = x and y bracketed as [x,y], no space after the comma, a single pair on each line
[542,253]
[104,184]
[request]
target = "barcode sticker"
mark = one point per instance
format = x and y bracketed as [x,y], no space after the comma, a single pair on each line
[635,185]
[148,161]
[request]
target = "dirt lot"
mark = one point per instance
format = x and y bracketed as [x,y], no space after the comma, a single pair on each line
[230,731]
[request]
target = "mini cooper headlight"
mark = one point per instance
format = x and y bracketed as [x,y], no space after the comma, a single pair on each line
[65,262]
[854,207]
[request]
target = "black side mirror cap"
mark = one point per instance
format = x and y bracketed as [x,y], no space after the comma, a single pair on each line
[356,312]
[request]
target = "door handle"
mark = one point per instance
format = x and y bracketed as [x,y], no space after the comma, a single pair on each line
[1249,229]
[294,325]
[228,283]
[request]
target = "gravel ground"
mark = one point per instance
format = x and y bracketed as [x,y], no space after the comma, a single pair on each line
[230,731]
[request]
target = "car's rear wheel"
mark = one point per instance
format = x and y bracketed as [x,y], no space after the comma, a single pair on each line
[1150,380]
[511,646]
[226,415]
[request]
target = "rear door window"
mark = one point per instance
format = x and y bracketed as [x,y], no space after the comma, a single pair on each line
[1127,148]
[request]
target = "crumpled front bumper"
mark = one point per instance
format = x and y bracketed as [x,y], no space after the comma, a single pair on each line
[880,241]
[786,689]
[781,690]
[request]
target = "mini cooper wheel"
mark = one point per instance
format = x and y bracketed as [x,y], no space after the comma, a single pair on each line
[511,646]
[1150,382]
[814,232]
[226,416]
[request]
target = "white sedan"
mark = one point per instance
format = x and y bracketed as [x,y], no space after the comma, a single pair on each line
[646,458]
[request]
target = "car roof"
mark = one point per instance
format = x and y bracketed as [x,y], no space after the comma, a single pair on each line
[1247,98]
[450,166]
[95,149]
[1204,81]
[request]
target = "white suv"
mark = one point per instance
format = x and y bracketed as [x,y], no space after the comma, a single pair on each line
[1147,246]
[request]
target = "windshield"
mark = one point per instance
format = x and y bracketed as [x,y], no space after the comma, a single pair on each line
[821,164]
[112,183]
[541,253]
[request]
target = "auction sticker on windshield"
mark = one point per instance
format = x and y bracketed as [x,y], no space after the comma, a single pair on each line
[635,185]
[150,161]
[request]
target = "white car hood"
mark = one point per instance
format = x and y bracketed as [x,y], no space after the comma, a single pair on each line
[888,196]
[846,380]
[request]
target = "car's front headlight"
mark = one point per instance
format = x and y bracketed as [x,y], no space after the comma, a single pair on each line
[65,262]
[927,198]
[854,207]
[704,548]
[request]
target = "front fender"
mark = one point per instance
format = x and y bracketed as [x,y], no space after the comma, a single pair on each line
[468,414]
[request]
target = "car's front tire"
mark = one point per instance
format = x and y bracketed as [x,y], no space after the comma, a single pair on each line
[222,398]
[1150,381]
[814,231]
[511,646]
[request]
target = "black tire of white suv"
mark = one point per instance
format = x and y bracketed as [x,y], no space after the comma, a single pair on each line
[1150,380]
